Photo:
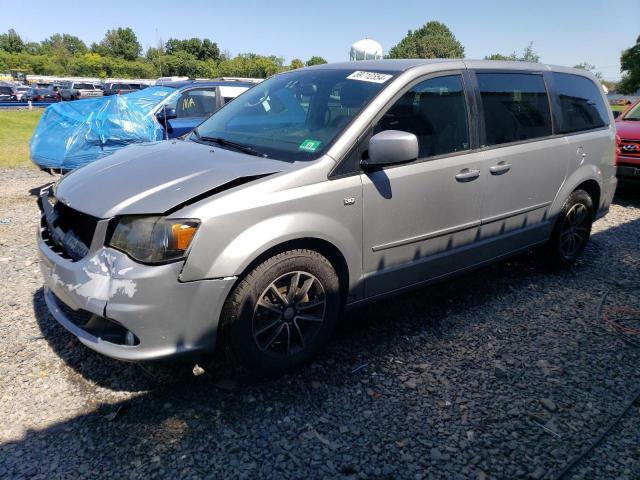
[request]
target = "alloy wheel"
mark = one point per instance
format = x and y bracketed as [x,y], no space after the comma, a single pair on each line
[288,314]
[574,232]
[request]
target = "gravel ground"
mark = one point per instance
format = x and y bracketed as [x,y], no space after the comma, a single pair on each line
[506,372]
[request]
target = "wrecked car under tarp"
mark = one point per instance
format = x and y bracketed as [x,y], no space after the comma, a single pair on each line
[72,134]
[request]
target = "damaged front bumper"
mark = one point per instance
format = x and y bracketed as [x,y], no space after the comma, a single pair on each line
[127,310]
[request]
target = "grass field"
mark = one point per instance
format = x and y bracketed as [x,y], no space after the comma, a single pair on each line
[16,128]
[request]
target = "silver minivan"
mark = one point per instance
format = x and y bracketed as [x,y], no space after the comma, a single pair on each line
[316,191]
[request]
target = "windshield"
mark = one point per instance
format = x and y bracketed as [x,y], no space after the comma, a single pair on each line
[296,115]
[634,113]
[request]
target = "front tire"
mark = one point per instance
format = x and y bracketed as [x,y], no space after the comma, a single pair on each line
[572,230]
[282,312]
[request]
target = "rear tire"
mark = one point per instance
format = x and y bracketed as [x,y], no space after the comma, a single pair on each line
[282,312]
[572,229]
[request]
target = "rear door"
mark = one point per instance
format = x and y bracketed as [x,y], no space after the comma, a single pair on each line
[193,107]
[525,165]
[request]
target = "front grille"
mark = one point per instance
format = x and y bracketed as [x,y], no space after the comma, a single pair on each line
[630,148]
[66,231]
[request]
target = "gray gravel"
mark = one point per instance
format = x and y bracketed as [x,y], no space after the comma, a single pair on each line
[506,372]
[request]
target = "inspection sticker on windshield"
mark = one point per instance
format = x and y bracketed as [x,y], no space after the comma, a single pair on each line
[309,145]
[373,77]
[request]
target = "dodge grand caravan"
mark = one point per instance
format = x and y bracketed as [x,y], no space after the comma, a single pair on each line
[316,191]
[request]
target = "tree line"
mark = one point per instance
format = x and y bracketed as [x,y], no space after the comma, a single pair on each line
[119,54]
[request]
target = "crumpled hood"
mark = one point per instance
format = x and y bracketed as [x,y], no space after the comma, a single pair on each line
[629,129]
[153,178]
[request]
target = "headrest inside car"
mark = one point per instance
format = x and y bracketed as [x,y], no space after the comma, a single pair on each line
[353,94]
[308,89]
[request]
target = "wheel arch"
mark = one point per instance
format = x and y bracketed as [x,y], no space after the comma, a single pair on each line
[588,178]
[593,189]
[319,245]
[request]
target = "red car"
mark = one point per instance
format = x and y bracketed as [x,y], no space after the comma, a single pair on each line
[628,142]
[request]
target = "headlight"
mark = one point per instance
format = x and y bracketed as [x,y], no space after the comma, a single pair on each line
[153,239]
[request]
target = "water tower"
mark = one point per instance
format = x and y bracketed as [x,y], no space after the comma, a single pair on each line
[366,49]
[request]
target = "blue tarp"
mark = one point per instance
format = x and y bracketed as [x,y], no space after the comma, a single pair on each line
[72,134]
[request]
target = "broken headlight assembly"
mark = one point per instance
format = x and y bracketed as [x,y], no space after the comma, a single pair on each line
[152,239]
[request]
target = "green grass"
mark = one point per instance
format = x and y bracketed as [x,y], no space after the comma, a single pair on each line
[16,128]
[620,108]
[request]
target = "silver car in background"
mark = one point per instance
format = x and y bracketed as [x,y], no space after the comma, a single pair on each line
[79,91]
[317,191]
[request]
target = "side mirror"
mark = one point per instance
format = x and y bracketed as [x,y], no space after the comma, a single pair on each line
[391,147]
[616,113]
[166,113]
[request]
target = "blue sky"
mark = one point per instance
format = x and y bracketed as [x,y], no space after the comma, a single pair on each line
[564,32]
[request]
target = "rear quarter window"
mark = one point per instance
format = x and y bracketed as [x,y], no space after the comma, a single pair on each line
[579,104]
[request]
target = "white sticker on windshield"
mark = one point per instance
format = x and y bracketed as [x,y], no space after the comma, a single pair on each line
[373,77]
[160,94]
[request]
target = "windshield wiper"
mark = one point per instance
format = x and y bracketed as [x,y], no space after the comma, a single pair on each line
[223,142]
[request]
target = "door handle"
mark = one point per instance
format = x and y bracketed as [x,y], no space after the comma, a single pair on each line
[500,168]
[467,175]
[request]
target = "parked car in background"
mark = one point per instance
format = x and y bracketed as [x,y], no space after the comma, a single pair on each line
[70,135]
[628,143]
[7,93]
[119,88]
[18,93]
[165,80]
[42,95]
[79,90]
[319,190]
[194,102]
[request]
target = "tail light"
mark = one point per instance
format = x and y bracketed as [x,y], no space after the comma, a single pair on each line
[37,98]
[618,145]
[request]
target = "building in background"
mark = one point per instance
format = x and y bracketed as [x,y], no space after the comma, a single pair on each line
[366,49]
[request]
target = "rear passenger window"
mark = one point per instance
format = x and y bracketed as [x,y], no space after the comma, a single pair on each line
[515,106]
[580,102]
[435,111]
[196,103]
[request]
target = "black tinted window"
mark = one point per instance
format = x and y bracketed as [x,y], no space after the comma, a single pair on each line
[580,102]
[435,111]
[515,107]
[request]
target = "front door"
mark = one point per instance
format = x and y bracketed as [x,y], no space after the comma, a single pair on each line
[420,219]
[193,107]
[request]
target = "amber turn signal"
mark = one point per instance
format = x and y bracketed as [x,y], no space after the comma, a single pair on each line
[183,234]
